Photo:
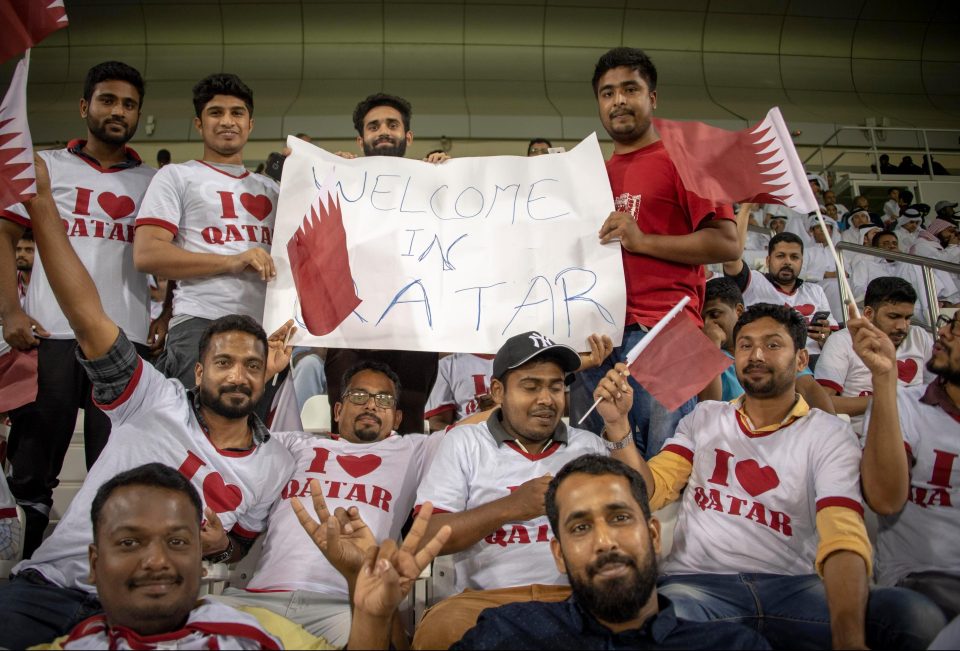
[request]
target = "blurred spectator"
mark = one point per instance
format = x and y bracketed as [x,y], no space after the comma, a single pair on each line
[907,166]
[938,240]
[945,210]
[885,166]
[24,260]
[908,228]
[831,197]
[462,388]
[937,167]
[891,209]
[163,158]
[538,147]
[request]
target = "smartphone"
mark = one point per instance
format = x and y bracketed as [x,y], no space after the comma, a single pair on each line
[274,166]
[822,315]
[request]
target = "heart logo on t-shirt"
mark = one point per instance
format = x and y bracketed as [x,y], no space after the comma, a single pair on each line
[258,205]
[116,207]
[358,466]
[754,478]
[220,496]
[806,309]
[906,369]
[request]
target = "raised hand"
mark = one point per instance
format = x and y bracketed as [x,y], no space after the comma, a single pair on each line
[213,537]
[600,348]
[321,268]
[278,350]
[343,537]
[616,392]
[621,226]
[872,346]
[528,498]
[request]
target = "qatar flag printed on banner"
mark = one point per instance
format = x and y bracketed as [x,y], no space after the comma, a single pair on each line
[757,165]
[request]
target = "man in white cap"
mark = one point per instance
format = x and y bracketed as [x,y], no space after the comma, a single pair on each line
[908,228]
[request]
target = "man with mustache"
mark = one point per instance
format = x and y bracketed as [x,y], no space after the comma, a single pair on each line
[369,470]
[211,436]
[383,129]
[889,304]
[24,259]
[606,542]
[98,183]
[771,531]
[782,285]
[665,233]
[208,225]
[916,493]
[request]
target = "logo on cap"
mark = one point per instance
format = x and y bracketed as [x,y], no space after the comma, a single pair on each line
[539,340]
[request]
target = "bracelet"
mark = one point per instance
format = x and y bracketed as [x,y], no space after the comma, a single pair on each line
[221,557]
[615,445]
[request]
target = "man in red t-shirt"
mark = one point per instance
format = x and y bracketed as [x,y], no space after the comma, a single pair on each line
[666,232]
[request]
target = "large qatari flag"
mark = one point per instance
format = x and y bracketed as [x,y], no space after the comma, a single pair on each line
[17,176]
[756,165]
[24,23]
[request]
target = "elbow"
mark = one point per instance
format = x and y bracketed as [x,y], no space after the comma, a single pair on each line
[143,258]
[887,500]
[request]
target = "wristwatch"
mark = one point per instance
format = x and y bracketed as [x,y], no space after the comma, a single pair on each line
[615,445]
[221,557]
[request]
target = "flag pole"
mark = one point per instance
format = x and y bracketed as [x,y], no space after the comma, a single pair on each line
[634,352]
[841,273]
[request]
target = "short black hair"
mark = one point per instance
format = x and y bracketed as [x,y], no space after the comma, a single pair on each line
[888,289]
[598,466]
[112,71]
[163,156]
[536,140]
[906,195]
[875,240]
[221,83]
[630,57]
[371,365]
[382,99]
[153,475]
[724,290]
[27,235]
[232,323]
[789,238]
[785,315]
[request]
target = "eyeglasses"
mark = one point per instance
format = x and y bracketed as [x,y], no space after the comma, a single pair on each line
[954,324]
[361,397]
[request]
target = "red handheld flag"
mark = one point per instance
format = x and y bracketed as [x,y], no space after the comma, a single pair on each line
[757,165]
[27,22]
[17,176]
[678,364]
[321,268]
[18,378]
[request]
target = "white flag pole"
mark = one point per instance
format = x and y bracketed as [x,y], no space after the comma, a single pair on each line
[634,352]
[841,272]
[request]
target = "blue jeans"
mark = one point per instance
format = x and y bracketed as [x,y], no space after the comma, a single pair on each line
[651,423]
[36,612]
[791,611]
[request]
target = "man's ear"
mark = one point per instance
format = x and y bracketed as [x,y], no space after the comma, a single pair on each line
[198,125]
[558,555]
[84,107]
[803,358]
[198,373]
[397,417]
[653,99]
[360,143]
[496,390]
[337,411]
[739,310]
[409,137]
[868,312]
[655,537]
[92,561]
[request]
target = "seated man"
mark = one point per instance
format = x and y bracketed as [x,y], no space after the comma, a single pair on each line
[770,495]
[368,467]
[211,436]
[487,481]
[917,491]
[606,542]
[889,305]
[462,388]
[722,306]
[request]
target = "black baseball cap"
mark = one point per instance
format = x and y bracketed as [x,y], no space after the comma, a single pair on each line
[522,348]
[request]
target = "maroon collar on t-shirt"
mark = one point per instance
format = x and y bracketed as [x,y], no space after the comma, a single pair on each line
[75,147]
[936,395]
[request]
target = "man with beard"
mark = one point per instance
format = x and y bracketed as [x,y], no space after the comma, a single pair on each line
[98,183]
[369,470]
[771,531]
[889,305]
[606,542]
[24,258]
[917,492]
[665,233]
[782,285]
[208,225]
[383,129]
[211,436]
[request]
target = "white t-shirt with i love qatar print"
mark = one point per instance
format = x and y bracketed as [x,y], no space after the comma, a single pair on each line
[98,207]
[807,299]
[213,208]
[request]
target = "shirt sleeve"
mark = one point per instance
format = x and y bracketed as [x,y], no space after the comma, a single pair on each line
[445,483]
[162,204]
[834,363]
[441,395]
[17,213]
[672,466]
[742,278]
[841,529]
[113,373]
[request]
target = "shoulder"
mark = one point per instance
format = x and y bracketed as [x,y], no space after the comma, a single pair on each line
[820,425]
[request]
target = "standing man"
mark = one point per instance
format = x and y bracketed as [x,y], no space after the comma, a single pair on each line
[208,224]
[97,183]
[383,129]
[24,258]
[665,233]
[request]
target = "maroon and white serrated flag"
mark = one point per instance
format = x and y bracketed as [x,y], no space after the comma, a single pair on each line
[17,177]
[24,23]
[757,165]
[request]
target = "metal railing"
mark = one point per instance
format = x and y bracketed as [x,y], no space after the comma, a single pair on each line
[927,265]
[923,146]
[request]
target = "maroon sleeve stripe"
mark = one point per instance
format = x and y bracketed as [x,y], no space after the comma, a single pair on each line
[679,450]
[830,384]
[150,221]
[122,398]
[844,502]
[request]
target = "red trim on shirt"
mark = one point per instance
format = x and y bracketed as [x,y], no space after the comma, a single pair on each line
[232,453]
[439,410]
[235,630]
[153,221]
[131,385]
[546,452]
[8,513]
[19,220]
[777,287]
[129,153]
[89,626]
[844,502]
[908,448]
[245,174]
[417,508]
[680,451]
[244,533]
[483,355]
[755,435]
[830,384]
